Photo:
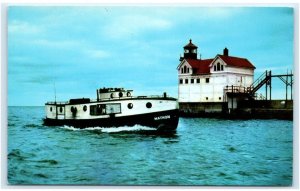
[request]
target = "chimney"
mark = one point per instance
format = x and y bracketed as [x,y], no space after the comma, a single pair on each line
[225,52]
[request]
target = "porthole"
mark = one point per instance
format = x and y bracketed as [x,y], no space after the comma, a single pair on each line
[84,108]
[120,94]
[50,108]
[148,105]
[60,109]
[130,106]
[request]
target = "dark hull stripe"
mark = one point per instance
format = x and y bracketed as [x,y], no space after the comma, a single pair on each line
[164,121]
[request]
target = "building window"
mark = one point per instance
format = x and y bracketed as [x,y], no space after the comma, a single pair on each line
[186,81]
[207,80]
[60,109]
[218,66]
[206,98]
[215,67]
[198,80]
[188,70]
[184,69]
[180,81]
[192,81]
[50,108]
[222,67]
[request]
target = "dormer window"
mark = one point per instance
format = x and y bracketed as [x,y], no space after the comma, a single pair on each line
[218,67]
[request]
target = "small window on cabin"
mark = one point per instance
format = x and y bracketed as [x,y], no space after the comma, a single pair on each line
[50,108]
[184,69]
[148,105]
[186,81]
[130,106]
[60,109]
[180,81]
[207,80]
[222,67]
[192,81]
[215,67]
[206,98]
[198,81]
[84,108]
[220,98]
[188,70]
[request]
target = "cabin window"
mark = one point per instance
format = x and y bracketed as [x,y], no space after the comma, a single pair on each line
[206,98]
[192,81]
[148,105]
[220,98]
[180,81]
[51,109]
[120,94]
[103,109]
[198,80]
[181,70]
[188,70]
[84,108]
[215,68]
[60,109]
[207,80]
[218,66]
[130,106]
[222,67]
[184,69]
[186,81]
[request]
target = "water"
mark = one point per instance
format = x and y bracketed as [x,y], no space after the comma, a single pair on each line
[201,152]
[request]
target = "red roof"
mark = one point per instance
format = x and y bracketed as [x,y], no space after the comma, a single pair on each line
[237,62]
[202,66]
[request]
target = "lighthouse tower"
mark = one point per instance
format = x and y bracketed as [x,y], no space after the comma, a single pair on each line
[190,51]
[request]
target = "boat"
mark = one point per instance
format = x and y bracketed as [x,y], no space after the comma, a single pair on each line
[115,107]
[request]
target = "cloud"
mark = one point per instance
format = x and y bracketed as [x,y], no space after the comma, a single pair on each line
[97,53]
[125,26]
[23,27]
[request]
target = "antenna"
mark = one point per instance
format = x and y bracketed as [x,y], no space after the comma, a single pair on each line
[54,93]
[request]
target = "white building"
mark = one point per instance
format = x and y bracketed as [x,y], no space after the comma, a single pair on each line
[205,80]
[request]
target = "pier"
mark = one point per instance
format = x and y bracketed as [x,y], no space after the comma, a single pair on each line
[245,103]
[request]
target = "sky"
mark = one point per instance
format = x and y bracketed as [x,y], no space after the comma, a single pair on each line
[70,51]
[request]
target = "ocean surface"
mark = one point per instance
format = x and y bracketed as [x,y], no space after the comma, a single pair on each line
[201,152]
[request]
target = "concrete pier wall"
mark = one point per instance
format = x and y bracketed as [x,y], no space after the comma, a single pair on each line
[246,109]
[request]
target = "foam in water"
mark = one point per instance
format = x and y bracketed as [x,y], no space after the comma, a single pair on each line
[111,129]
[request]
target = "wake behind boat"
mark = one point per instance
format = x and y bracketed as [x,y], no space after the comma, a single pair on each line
[115,107]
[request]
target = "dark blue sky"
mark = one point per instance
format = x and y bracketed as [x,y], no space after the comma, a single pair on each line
[80,49]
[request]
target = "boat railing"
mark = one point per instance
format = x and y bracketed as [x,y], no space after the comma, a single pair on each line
[108,99]
[58,102]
